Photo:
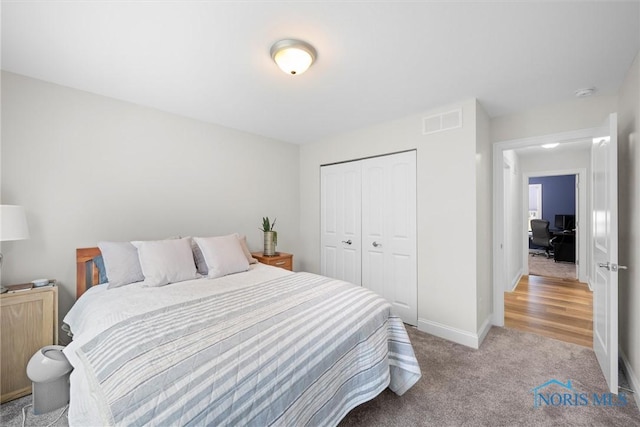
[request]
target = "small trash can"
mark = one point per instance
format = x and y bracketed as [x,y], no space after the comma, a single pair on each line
[49,371]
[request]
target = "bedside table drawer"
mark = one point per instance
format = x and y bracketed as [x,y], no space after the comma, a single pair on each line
[282,260]
[282,263]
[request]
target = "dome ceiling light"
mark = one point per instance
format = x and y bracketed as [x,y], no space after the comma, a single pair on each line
[583,93]
[293,56]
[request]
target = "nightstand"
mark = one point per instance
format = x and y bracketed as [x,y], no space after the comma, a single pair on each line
[281,259]
[29,321]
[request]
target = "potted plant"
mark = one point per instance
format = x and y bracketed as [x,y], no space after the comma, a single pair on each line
[270,236]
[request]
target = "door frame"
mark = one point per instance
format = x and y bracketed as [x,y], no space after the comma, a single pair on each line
[580,200]
[500,284]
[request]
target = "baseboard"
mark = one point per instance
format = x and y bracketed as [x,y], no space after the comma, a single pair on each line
[448,333]
[633,379]
[484,330]
[516,280]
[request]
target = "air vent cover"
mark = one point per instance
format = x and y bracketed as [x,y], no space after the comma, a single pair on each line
[443,121]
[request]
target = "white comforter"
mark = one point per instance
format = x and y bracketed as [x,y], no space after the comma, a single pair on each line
[263,347]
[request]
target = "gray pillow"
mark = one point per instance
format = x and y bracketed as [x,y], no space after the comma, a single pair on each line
[121,263]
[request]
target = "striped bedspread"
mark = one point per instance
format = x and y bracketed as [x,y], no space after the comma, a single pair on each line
[298,350]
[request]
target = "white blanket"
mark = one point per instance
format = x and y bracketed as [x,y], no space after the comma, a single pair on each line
[265,347]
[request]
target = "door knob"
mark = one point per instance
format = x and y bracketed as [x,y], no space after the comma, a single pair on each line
[612,266]
[376,244]
[348,242]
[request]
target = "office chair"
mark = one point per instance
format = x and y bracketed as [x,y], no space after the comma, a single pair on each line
[540,235]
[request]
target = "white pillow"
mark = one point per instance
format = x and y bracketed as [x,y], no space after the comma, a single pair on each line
[121,263]
[166,261]
[223,255]
[245,249]
[201,264]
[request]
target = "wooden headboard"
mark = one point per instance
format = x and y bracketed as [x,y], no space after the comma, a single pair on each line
[86,272]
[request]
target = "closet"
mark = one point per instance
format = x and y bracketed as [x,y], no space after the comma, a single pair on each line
[368,227]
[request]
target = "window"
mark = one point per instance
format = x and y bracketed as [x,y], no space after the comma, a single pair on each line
[535,202]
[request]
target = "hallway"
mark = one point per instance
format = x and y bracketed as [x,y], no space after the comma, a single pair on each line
[555,308]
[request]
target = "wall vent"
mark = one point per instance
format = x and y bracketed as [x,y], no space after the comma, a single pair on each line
[441,122]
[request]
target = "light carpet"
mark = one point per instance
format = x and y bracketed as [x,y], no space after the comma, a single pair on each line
[461,386]
[493,386]
[540,265]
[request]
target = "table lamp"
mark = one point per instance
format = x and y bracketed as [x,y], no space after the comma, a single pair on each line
[13,224]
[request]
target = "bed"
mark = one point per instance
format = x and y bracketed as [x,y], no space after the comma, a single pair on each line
[261,347]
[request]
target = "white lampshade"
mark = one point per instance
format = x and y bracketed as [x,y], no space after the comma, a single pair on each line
[293,56]
[13,223]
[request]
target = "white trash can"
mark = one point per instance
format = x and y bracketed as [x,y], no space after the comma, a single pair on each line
[49,370]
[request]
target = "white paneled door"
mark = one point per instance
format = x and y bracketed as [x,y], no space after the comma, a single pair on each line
[341,222]
[368,222]
[604,158]
[389,264]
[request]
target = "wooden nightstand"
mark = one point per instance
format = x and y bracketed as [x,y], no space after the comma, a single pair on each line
[29,322]
[282,259]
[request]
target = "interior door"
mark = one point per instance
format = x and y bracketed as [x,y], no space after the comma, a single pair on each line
[389,263]
[340,220]
[577,224]
[604,166]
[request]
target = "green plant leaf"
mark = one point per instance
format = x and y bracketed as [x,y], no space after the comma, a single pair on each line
[267,225]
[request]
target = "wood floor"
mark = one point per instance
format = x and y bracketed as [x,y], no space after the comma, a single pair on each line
[556,308]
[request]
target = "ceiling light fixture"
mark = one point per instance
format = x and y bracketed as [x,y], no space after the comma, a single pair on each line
[551,145]
[583,93]
[293,56]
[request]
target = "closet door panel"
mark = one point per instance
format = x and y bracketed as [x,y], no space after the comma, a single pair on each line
[373,276]
[389,231]
[341,222]
[402,236]
[374,205]
[373,200]
[329,216]
[402,297]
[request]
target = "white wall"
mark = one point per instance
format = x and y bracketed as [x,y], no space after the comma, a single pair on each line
[446,178]
[484,218]
[629,223]
[89,168]
[544,162]
[580,113]
[513,220]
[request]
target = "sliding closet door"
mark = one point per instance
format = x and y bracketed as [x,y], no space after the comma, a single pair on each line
[340,220]
[389,263]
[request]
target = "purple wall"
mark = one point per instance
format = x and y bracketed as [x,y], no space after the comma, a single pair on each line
[558,195]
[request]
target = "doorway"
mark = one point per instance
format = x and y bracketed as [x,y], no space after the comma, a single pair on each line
[554,199]
[546,298]
[602,239]
[511,250]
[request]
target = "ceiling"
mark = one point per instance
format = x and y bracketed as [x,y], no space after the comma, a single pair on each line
[377,61]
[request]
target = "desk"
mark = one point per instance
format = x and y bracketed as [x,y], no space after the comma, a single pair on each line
[564,246]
